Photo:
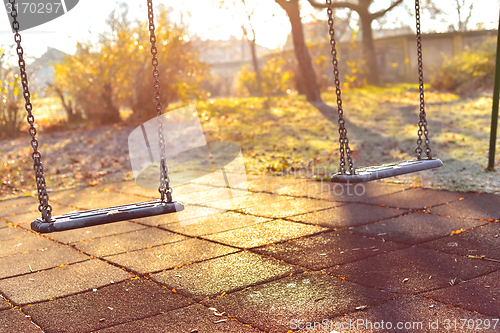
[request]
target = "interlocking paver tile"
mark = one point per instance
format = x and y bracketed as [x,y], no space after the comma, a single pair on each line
[412,270]
[62,281]
[153,193]
[25,218]
[418,314]
[75,235]
[194,318]
[13,321]
[364,192]
[210,194]
[267,184]
[419,198]
[20,209]
[17,202]
[287,208]
[264,233]
[190,212]
[416,228]
[481,294]
[225,274]
[29,242]
[481,206]
[348,215]
[4,304]
[304,297]
[107,306]
[249,200]
[170,255]
[90,198]
[218,223]
[483,240]
[129,241]
[328,249]
[13,233]
[33,261]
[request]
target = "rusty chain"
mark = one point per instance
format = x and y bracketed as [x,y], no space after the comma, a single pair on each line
[345,150]
[43,197]
[164,188]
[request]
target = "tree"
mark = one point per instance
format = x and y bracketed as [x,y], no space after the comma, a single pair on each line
[362,7]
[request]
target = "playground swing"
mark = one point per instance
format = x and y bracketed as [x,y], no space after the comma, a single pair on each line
[47,223]
[385,170]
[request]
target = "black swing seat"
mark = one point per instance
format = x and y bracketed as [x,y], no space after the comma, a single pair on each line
[367,174]
[94,217]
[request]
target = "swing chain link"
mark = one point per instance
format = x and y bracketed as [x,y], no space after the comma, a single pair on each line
[164,188]
[43,197]
[345,150]
[422,124]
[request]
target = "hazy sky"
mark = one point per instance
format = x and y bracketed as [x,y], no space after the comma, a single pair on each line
[87,19]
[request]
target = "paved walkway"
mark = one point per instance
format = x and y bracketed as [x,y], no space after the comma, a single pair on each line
[281,258]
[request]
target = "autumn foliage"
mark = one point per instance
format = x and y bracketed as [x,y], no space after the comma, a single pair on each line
[117,72]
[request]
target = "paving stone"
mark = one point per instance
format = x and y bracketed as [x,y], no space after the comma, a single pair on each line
[417,313]
[194,318]
[483,240]
[249,200]
[60,282]
[264,233]
[363,192]
[210,194]
[130,241]
[170,255]
[90,198]
[25,218]
[267,184]
[481,294]
[13,233]
[153,193]
[29,242]
[5,213]
[76,235]
[305,297]
[287,208]
[218,223]
[412,270]
[416,228]
[328,249]
[224,274]
[190,212]
[419,198]
[482,206]
[348,215]
[4,304]
[33,261]
[107,306]
[17,202]
[13,321]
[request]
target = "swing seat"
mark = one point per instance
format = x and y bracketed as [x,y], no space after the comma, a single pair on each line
[370,173]
[94,217]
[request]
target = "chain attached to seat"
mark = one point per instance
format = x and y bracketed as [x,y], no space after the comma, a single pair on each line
[43,197]
[164,188]
[345,150]
[422,123]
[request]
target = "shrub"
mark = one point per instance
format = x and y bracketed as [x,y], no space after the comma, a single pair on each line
[467,72]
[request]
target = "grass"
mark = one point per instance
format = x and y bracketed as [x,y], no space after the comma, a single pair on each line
[284,135]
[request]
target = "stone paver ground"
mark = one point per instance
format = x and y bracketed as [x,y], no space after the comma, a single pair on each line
[281,255]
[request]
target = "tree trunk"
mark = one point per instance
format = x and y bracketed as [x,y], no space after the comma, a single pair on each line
[256,68]
[369,53]
[301,52]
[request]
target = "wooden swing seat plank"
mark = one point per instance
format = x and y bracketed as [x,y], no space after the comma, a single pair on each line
[370,173]
[94,217]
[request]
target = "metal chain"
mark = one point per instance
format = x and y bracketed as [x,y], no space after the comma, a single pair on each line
[43,197]
[422,124]
[164,188]
[345,150]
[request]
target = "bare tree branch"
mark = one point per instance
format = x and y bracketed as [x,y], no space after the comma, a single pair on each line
[385,11]
[336,4]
